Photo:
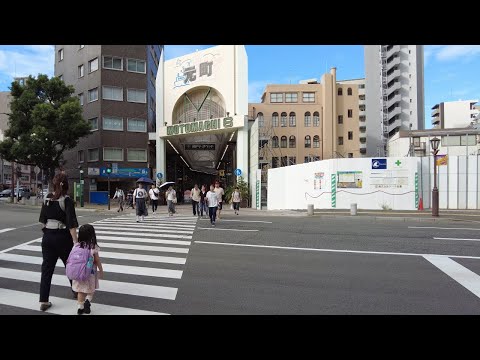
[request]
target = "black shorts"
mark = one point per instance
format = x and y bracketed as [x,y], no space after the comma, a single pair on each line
[236,206]
[219,206]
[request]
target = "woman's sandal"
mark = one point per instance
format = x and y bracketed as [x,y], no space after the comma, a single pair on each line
[45,306]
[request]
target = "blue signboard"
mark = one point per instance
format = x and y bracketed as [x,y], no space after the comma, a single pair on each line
[238,172]
[379,164]
[132,173]
[159,176]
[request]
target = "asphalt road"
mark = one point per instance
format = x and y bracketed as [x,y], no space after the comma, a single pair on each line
[257,265]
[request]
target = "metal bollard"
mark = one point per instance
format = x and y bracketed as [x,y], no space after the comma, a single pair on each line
[353,209]
[310,209]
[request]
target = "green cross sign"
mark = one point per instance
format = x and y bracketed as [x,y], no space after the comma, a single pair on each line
[398,162]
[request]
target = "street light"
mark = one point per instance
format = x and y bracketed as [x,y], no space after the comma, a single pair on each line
[81,187]
[434,144]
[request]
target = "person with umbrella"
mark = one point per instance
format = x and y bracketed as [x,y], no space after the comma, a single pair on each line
[139,197]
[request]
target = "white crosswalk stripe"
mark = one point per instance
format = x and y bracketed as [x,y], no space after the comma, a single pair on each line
[135,257]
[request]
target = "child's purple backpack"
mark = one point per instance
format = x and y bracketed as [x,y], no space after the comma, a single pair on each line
[79,263]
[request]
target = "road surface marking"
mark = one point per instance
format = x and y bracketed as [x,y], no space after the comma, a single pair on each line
[202,228]
[145,225]
[245,221]
[441,228]
[16,246]
[109,268]
[61,306]
[153,291]
[437,238]
[153,235]
[146,240]
[334,250]
[465,277]
[121,229]
[124,256]
[5,230]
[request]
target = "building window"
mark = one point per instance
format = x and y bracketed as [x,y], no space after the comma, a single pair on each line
[93,154]
[361,86]
[340,119]
[349,92]
[306,160]
[308,97]
[112,93]
[308,141]
[410,100]
[350,135]
[136,96]
[284,161]
[93,123]
[350,155]
[292,119]
[339,91]
[275,119]
[316,141]
[137,155]
[112,154]
[261,120]
[80,98]
[137,66]
[350,113]
[340,140]
[308,119]
[275,142]
[292,160]
[60,55]
[283,119]
[112,123]
[361,97]
[276,97]
[283,142]
[275,162]
[137,125]
[292,141]
[113,63]
[362,107]
[316,119]
[92,95]
[80,47]
[81,71]
[291,97]
[81,156]
[93,65]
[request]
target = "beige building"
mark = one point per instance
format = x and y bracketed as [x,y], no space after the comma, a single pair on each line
[310,121]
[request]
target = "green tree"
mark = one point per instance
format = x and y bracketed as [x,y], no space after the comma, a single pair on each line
[45,120]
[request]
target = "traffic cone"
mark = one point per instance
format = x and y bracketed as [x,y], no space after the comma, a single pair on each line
[420,204]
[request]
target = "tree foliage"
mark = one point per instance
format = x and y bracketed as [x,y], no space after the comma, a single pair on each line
[45,120]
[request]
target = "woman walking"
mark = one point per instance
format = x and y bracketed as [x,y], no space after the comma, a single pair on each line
[139,197]
[236,199]
[203,202]
[59,234]
[171,196]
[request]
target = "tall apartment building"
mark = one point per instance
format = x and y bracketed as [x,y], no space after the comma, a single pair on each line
[116,88]
[394,93]
[454,114]
[299,123]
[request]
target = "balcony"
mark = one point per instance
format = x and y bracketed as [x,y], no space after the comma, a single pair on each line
[362,118]
[393,50]
[395,61]
[436,120]
[396,86]
[395,74]
[363,129]
[396,111]
[363,146]
[435,111]
[397,98]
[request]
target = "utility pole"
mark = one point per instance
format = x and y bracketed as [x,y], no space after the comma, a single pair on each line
[109,171]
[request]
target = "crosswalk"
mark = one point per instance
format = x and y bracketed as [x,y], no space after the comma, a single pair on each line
[143,264]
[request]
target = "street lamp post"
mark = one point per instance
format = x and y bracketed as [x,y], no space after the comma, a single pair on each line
[81,188]
[435,142]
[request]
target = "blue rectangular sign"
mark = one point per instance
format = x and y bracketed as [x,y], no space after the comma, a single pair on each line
[132,173]
[379,164]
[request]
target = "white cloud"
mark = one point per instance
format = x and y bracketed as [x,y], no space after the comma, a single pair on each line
[26,60]
[173,51]
[451,52]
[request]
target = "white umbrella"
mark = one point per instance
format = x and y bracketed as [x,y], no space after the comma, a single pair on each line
[167,184]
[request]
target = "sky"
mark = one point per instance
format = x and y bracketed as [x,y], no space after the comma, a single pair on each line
[452,72]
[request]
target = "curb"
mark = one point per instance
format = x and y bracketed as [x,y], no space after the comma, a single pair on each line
[390,218]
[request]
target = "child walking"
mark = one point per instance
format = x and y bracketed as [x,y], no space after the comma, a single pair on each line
[86,289]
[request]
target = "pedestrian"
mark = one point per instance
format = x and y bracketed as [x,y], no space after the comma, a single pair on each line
[120,195]
[139,197]
[86,289]
[59,234]
[196,200]
[236,199]
[212,201]
[154,193]
[203,203]
[219,191]
[171,196]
